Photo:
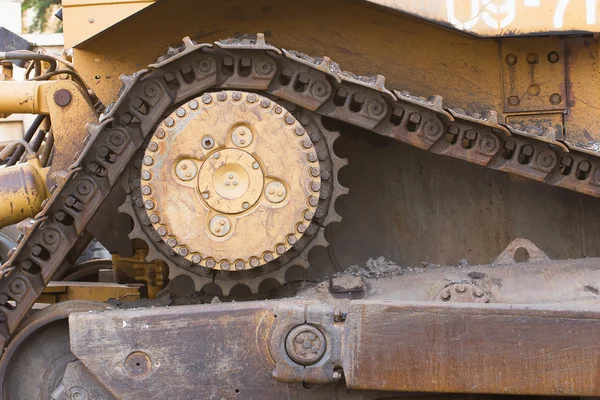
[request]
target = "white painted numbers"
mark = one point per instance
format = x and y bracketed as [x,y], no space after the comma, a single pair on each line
[498,14]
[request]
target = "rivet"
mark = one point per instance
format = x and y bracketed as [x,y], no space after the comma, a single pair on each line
[205,195]
[289,119]
[278,110]
[221,96]
[210,263]
[183,251]
[162,231]
[375,108]
[313,201]
[180,112]
[301,228]
[314,172]
[193,104]
[511,59]
[149,204]
[239,265]
[152,146]
[292,240]
[555,98]
[265,103]
[225,265]
[146,175]
[159,133]
[255,165]
[299,131]
[513,101]
[312,157]
[280,249]
[308,215]
[532,58]
[206,98]
[236,96]
[172,242]
[169,122]
[254,262]
[245,205]
[306,143]
[62,97]
[154,218]
[146,190]
[196,258]
[148,160]
[268,257]
[251,98]
[553,57]
[315,186]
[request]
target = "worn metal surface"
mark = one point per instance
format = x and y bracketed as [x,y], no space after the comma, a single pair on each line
[422,58]
[527,281]
[22,191]
[425,346]
[84,19]
[68,119]
[468,348]
[219,348]
[533,74]
[231,180]
[34,362]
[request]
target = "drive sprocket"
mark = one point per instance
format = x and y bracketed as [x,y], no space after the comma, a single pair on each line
[277,261]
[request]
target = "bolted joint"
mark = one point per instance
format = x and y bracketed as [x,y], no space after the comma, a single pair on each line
[62,97]
[305,344]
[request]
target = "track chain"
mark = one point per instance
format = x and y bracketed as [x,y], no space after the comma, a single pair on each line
[315,84]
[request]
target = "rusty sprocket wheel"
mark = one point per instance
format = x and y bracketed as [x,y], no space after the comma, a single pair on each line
[287,266]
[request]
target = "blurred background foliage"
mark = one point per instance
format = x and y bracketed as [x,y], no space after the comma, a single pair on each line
[41,16]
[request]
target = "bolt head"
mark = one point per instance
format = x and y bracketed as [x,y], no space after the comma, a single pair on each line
[305,344]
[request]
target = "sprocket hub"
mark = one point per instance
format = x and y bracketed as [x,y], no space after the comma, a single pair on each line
[230,180]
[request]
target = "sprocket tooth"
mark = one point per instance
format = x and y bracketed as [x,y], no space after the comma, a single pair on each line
[125,208]
[340,163]
[332,217]
[319,240]
[199,280]
[154,254]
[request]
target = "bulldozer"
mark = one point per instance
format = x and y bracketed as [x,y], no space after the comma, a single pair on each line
[303,199]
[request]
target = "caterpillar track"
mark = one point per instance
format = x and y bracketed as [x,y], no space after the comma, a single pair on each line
[314,88]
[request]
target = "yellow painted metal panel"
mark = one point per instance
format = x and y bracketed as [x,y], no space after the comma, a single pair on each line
[84,19]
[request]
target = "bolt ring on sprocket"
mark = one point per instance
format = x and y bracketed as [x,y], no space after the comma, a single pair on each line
[241,203]
[275,270]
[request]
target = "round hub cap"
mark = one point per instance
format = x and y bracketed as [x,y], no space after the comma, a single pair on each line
[227,180]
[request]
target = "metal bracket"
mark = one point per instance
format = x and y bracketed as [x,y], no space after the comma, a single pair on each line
[319,316]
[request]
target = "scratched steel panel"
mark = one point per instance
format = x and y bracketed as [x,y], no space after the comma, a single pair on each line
[459,347]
